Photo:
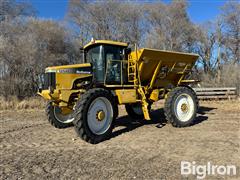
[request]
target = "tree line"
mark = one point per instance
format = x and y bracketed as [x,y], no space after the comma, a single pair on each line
[29,44]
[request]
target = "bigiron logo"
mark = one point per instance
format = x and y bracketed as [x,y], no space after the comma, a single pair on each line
[201,171]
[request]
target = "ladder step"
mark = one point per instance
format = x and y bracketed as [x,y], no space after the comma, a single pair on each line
[132,71]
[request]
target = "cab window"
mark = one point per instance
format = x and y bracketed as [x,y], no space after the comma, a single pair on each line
[113,56]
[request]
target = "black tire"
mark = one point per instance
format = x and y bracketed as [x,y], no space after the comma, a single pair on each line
[53,119]
[170,106]
[81,115]
[131,112]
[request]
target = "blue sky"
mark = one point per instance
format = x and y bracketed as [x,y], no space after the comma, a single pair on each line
[199,10]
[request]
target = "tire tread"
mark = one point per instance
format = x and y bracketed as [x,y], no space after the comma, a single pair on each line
[51,118]
[168,109]
[80,123]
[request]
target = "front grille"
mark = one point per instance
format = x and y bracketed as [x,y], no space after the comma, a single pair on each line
[47,80]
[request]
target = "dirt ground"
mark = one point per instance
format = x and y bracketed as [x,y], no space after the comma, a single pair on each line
[30,148]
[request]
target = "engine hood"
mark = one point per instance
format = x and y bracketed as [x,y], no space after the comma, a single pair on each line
[71,69]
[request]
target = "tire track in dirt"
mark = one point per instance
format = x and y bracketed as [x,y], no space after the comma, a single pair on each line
[7,120]
[30,145]
[21,128]
[25,137]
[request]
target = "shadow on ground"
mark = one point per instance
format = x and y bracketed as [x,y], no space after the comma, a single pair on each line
[157,117]
[203,110]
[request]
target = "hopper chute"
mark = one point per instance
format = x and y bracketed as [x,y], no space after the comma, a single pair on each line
[166,66]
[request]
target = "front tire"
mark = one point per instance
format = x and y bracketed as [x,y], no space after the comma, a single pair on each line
[94,115]
[57,118]
[181,107]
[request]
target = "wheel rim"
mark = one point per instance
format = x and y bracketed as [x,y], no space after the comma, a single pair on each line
[100,115]
[63,118]
[137,109]
[184,107]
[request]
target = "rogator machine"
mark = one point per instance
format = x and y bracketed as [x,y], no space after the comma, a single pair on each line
[87,95]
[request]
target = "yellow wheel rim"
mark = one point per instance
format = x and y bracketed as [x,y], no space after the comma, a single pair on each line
[100,115]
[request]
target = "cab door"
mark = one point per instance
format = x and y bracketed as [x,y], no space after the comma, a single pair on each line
[114,64]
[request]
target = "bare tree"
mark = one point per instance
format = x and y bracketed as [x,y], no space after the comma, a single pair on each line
[206,45]
[170,26]
[107,20]
[231,21]
[27,49]
[10,9]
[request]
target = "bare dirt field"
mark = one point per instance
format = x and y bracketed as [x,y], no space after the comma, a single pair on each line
[30,148]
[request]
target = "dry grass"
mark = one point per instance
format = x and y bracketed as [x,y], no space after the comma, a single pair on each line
[232,105]
[13,103]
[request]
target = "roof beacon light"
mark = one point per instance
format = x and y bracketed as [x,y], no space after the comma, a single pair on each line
[92,40]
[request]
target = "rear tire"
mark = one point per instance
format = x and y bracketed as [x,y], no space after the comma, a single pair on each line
[181,107]
[94,115]
[57,119]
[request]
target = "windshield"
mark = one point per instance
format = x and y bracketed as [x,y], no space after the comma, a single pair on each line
[94,54]
[95,57]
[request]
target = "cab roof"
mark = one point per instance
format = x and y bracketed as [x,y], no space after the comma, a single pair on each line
[116,43]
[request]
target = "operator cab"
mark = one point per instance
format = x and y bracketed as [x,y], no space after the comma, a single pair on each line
[109,61]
